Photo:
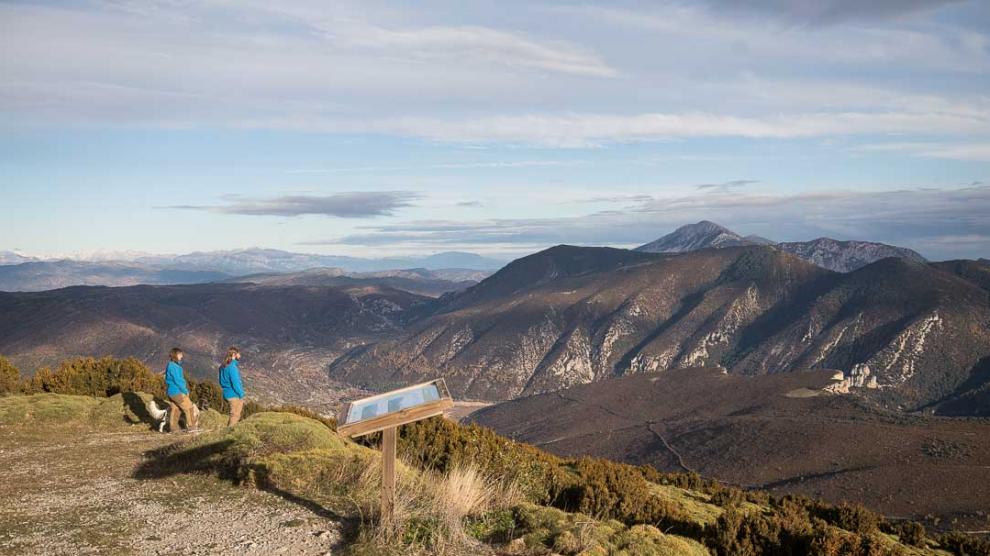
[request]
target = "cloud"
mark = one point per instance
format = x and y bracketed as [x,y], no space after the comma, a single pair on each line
[978,152]
[603,75]
[830,11]
[726,186]
[914,218]
[482,44]
[587,130]
[470,204]
[340,205]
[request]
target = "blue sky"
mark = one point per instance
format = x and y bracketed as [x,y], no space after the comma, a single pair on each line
[373,129]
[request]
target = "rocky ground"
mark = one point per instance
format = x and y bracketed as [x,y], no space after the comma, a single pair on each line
[74,493]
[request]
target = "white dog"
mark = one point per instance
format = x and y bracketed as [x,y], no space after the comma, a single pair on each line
[161,415]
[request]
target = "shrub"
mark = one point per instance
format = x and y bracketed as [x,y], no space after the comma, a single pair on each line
[911,533]
[851,517]
[10,377]
[103,377]
[207,395]
[728,496]
[441,445]
[962,544]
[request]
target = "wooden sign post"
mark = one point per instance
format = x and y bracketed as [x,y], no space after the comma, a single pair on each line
[386,413]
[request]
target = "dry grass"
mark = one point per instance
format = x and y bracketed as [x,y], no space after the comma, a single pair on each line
[431,508]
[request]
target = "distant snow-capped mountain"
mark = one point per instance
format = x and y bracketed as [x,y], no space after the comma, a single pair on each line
[693,237]
[840,256]
[14,257]
[249,261]
[449,270]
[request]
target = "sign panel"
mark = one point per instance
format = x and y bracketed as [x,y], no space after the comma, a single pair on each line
[391,409]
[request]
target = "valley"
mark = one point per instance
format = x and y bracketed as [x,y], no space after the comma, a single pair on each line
[781,433]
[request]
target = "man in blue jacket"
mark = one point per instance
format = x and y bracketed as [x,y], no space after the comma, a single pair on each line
[178,394]
[230,382]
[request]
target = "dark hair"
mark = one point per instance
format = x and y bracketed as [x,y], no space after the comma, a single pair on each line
[232,352]
[174,354]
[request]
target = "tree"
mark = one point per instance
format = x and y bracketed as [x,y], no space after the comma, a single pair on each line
[10,377]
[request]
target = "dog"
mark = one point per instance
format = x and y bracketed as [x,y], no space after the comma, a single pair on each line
[161,415]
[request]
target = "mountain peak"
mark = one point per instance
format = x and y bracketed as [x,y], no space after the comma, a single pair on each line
[847,255]
[691,237]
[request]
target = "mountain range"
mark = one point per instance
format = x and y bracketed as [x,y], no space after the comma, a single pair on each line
[27,274]
[554,319]
[572,315]
[840,256]
[21,272]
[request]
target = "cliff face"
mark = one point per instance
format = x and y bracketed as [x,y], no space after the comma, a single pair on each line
[570,315]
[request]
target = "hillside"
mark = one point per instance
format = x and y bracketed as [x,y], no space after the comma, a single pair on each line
[418,281]
[572,315]
[288,334]
[777,432]
[977,272]
[306,490]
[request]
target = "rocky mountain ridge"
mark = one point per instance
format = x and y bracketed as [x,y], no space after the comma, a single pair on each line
[572,315]
[840,256]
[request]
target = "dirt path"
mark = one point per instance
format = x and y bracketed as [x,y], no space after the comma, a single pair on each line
[70,493]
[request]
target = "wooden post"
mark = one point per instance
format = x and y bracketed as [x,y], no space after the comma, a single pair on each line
[388,473]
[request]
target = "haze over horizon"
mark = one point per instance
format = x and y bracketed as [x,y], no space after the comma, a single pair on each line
[376,129]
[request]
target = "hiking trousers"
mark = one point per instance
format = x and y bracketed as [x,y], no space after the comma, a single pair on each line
[176,403]
[236,406]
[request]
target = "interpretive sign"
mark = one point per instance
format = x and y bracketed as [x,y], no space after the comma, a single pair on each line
[386,412]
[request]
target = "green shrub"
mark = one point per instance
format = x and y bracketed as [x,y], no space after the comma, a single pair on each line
[207,395]
[851,517]
[728,496]
[441,445]
[962,544]
[10,377]
[103,377]
[496,526]
[911,533]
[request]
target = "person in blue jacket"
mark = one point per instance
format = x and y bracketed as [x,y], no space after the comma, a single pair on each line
[178,393]
[230,382]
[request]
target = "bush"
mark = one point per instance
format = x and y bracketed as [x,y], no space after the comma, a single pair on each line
[851,517]
[442,445]
[962,544]
[103,377]
[207,395]
[10,377]
[911,533]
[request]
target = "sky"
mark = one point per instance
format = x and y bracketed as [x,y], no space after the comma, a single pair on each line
[501,128]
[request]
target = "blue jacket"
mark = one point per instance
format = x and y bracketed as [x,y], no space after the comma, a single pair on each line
[174,379]
[230,381]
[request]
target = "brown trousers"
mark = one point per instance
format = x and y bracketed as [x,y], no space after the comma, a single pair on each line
[176,403]
[236,406]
